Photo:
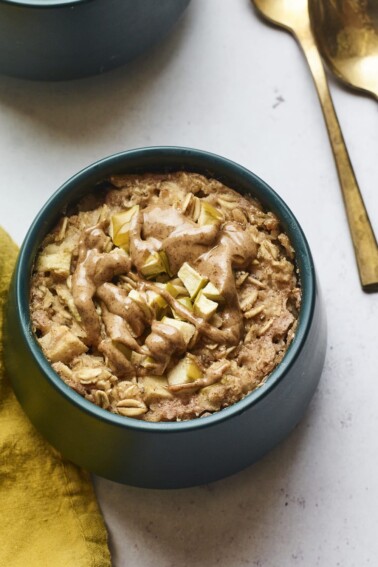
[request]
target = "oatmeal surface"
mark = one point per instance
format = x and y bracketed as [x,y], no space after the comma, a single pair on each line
[165,297]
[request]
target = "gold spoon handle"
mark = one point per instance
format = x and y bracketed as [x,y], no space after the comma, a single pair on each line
[364,242]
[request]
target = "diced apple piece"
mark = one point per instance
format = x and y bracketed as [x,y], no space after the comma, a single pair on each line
[204,307]
[171,289]
[120,219]
[154,265]
[180,290]
[184,372]
[209,214]
[61,345]
[122,239]
[185,301]
[187,329]
[155,388]
[120,227]
[212,292]
[165,260]
[155,300]
[157,303]
[192,280]
[55,258]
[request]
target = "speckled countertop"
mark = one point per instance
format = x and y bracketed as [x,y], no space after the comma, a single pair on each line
[225,82]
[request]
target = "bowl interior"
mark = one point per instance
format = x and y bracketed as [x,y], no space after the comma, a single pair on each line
[158,159]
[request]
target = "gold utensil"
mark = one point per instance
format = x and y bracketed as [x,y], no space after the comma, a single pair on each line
[346,32]
[293,15]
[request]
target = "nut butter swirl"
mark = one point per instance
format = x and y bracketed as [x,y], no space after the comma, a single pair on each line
[94,268]
[165,228]
[214,250]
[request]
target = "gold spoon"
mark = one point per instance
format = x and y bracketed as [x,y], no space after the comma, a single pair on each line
[347,35]
[293,15]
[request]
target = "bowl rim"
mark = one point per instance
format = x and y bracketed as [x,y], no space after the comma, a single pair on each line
[306,275]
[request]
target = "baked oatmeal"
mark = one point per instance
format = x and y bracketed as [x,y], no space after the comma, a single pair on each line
[165,297]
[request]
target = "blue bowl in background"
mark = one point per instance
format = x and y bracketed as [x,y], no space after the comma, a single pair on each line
[164,455]
[67,39]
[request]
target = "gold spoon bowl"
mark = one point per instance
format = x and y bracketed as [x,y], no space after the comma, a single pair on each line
[346,32]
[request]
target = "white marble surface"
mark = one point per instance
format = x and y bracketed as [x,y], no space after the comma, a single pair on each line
[225,82]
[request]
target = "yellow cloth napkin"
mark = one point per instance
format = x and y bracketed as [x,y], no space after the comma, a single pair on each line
[48,509]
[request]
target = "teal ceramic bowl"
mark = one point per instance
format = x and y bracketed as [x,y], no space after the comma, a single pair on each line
[66,39]
[164,455]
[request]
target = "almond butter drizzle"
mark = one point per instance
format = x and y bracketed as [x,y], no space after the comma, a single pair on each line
[213,250]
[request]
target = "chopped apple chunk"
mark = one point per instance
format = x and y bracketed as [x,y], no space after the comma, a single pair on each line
[184,372]
[164,257]
[155,300]
[61,345]
[212,292]
[209,214]
[192,280]
[55,258]
[120,227]
[180,290]
[171,289]
[187,329]
[156,263]
[204,307]
[186,302]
